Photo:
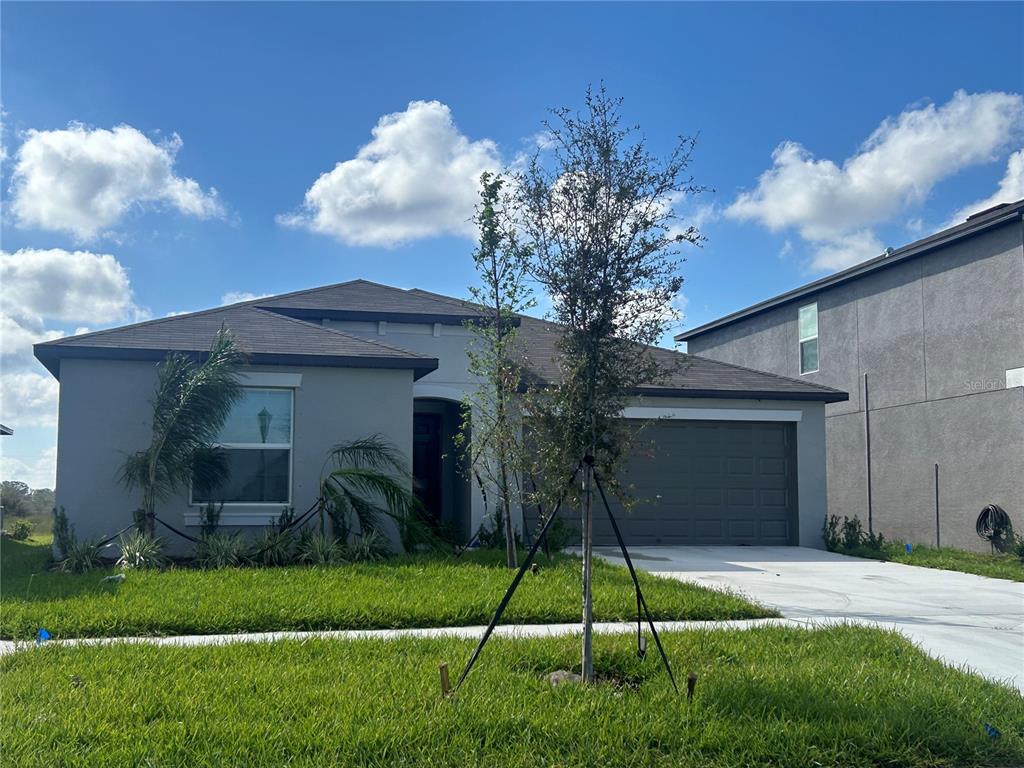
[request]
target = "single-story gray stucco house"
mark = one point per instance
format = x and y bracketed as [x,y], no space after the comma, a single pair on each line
[740,453]
[929,341]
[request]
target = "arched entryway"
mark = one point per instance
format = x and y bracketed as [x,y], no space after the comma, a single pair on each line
[440,468]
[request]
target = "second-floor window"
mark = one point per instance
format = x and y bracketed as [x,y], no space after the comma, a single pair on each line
[808,325]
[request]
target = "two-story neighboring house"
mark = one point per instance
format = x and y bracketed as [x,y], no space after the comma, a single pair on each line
[928,339]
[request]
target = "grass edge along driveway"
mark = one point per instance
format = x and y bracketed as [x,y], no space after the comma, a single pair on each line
[402,592]
[842,696]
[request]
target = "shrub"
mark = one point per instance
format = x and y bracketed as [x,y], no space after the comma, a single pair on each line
[140,550]
[222,550]
[831,533]
[850,536]
[63,532]
[368,548]
[1018,547]
[561,534]
[81,556]
[317,549]
[209,519]
[21,530]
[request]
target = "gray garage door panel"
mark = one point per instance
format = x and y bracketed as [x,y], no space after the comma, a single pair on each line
[708,483]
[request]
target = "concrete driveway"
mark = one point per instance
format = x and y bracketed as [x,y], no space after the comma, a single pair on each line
[959,618]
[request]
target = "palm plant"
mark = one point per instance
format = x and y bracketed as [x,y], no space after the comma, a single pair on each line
[191,402]
[369,483]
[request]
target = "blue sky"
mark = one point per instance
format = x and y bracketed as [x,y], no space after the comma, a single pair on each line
[894,119]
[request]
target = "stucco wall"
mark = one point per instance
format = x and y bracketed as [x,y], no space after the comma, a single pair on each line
[105,415]
[451,381]
[936,336]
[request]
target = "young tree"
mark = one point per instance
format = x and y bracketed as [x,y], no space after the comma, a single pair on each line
[491,411]
[189,408]
[597,211]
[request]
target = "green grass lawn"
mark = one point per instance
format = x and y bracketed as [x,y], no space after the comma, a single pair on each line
[996,566]
[412,591]
[845,696]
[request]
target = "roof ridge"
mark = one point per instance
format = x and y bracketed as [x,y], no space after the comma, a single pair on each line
[801,382]
[326,329]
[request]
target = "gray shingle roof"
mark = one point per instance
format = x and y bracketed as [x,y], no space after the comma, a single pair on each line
[688,375]
[363,300]
[263,335]
[271,330]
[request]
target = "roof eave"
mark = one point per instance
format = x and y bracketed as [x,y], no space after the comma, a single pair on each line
[744,394]
[50,357]
[913,250]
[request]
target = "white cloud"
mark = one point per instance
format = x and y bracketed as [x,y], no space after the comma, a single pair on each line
[236,297]
[834,206]
[40,288]
[1011,189]
[28,399]
[846,250]
[418,177]
[83,181]
[39,473]
[65,285]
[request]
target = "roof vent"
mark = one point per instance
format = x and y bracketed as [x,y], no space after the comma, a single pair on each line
[889,251]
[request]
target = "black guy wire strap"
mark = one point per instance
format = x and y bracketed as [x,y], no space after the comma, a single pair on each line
[636,581]
[515,583]
[111,538]
[290,525]
[172,529]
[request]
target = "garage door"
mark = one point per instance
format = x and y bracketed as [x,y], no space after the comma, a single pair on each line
[709,483]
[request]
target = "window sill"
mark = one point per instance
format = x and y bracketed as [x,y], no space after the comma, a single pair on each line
[242,515]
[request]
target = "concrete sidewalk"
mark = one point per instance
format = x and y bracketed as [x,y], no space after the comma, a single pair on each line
[472,633]
[959,618]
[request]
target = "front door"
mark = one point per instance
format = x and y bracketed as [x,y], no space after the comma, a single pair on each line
[426,462]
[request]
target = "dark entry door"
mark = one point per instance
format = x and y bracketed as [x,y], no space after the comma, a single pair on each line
[426,462]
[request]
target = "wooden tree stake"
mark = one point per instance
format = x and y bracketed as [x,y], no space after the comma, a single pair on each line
[445,684]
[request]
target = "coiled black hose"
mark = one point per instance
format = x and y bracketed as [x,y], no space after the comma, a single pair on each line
[994,526]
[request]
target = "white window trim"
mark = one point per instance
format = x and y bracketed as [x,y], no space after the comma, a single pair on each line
[269,380]
[290,447]
[802,339]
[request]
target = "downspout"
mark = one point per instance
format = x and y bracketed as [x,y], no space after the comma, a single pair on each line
[867,454]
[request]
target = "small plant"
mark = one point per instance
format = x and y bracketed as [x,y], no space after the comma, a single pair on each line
[561,534]
[141,551]
[1018,547]
[874,541]
[850,536]
[491,535]
[63,532]
[852,532]
[831,533]
[276,544]
[21,530]
[221,550]
[81,556]
[209,519]
[317,549]
[368,548]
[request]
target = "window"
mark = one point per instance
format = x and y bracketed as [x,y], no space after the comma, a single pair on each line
[257,439]
[808,329]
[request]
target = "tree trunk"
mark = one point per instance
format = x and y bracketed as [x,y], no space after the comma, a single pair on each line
[588,602]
